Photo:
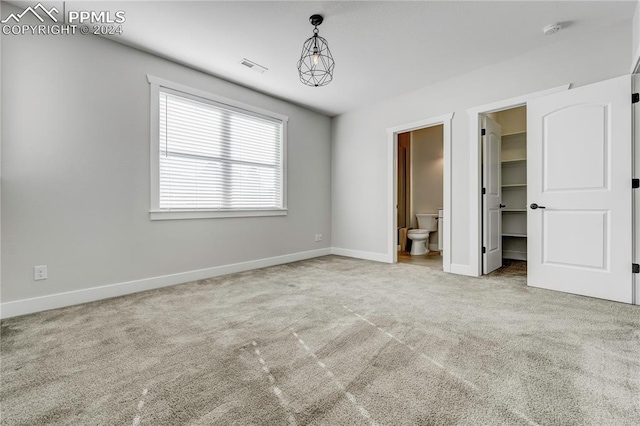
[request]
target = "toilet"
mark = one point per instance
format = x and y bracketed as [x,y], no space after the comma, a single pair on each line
[420,237]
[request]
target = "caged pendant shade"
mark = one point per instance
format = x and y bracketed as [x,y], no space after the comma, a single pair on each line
[316,63]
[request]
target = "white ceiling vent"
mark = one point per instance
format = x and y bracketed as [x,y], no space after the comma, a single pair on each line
[252,65]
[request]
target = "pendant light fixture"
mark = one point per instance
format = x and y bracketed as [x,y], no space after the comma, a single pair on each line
[316,63]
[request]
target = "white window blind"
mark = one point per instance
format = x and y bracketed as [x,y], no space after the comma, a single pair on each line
[217,157]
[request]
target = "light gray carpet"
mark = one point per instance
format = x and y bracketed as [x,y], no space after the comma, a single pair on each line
[328,341]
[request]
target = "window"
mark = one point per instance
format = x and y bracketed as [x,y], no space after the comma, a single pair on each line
[213,157]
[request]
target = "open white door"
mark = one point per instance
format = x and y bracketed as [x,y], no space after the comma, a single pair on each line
[491,188]
[579,223]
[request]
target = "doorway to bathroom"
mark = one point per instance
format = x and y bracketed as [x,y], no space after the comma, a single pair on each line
[393,240]
[420,195]
[504,192]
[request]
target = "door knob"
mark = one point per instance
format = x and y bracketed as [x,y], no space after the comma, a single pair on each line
[502,206]
[535,206]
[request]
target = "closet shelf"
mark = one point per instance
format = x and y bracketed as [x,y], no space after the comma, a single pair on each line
[514,185]
[513,210]
[515,235]
[524,132]
[516,160]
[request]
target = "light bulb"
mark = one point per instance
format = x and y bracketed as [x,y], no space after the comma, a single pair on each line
[316,56]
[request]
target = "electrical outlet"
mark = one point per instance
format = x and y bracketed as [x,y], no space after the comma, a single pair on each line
[316,238]
[40,272]
[319,237]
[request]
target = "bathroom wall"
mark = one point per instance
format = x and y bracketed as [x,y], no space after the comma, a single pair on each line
[426,173]
[404,179]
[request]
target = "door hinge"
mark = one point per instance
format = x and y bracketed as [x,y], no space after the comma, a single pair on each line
[635,98]
[635,268]
[483,132]
[484,250]
[635,183]
[484,191]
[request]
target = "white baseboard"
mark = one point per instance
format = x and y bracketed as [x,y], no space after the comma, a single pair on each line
[378,257]
[459,269]
[60,300]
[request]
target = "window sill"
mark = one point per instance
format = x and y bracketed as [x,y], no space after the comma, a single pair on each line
[212,214]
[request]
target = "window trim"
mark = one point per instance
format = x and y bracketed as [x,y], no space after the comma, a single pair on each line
[155,213]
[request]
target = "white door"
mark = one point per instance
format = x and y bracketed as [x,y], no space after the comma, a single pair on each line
[579,188]
[491,188]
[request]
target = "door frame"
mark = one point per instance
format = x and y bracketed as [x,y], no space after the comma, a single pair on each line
[475,167]
[635,170]
[392,188]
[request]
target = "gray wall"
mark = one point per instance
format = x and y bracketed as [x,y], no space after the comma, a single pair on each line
[635,44]
[359,137]
[75,172]
[426,173]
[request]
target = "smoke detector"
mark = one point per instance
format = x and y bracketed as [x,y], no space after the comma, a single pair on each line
[552,29]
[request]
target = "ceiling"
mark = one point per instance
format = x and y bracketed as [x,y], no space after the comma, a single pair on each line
[381,49]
